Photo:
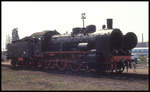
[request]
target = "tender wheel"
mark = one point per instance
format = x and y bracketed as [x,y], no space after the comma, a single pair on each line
[45,64]
[84,67]
[50,64]
[61,65]
[74,67]
[39,64]
[120,69]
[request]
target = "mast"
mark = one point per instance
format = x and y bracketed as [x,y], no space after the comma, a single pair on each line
[83,17]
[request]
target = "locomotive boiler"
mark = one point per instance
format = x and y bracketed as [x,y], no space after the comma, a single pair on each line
[84,49]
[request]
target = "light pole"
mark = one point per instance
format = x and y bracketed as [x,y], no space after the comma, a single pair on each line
[83,17]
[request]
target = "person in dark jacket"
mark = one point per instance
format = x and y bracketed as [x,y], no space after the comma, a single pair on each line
[133,63]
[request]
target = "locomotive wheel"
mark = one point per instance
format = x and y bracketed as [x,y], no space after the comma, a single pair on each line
[33,63]
[109,68]
[45,65]
[74,67]
[26,63]
[50,64]
[114,67]
[39,64]
[119,69]
[84,67]
[61,65]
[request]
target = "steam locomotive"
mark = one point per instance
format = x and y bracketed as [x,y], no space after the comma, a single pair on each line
[84,49]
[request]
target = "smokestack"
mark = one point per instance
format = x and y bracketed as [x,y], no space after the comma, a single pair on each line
[142,38]
[109,23]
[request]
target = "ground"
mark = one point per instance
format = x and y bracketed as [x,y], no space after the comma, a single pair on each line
[31,79]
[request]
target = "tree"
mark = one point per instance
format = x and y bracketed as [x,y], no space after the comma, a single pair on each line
[15,35]
[8,40]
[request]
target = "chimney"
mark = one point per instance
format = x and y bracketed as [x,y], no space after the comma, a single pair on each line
[109,23]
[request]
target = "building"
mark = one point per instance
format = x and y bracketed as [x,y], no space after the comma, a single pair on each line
[141,49]
[3,55]
[142,44]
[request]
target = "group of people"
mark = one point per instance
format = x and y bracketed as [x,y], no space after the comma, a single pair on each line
[130,64]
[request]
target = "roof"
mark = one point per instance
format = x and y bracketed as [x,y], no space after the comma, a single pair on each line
[46,32]
[37,34]
[141,48]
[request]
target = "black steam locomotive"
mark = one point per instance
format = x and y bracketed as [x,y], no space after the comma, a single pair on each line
[85,49]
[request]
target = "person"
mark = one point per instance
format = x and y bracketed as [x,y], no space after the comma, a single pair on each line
[122,61]
[138,61]
[147,63]
[127,65]
[133,65]
[122,64]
